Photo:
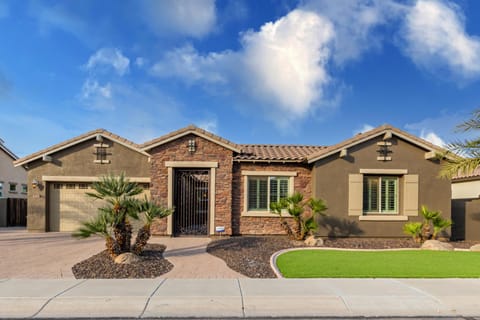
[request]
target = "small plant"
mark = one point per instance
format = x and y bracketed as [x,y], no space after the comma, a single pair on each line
[295,206]
[433,224]
[414,229]
[113,219]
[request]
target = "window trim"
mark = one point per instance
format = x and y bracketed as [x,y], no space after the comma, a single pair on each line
[278,174]
[10,184]
[380,177]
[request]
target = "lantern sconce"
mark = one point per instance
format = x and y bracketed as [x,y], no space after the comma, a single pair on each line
[191,146]
[35,183]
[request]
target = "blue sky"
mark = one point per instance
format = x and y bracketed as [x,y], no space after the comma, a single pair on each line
[279,71]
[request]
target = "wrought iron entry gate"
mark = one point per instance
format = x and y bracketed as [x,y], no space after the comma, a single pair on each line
[191,201]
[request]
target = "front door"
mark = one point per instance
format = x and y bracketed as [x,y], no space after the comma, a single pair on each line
[191,201]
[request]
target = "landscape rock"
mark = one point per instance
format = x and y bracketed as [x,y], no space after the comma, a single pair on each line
[436,245]
[475,248]
[127,258]
[312,241]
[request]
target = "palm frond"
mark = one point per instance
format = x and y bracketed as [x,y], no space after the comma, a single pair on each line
[472,124]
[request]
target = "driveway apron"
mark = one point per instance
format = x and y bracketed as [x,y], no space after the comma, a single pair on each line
[51,255]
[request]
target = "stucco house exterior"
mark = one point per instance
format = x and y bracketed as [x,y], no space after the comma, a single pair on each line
[13,180]
[13,187]
[373,183]
[466,206]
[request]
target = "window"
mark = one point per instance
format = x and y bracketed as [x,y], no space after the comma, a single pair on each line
[82,186]
[380,194]
[70,186]
[101,154]
[58,186]
[1,189]
[263,190]
[24,188]
[13,187]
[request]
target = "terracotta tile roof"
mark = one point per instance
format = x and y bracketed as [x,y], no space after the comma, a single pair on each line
[259,152]
[75,140]
[187,130]
[475,175]
[361,137]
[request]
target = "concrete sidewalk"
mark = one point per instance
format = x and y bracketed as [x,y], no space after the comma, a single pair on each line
[239,298]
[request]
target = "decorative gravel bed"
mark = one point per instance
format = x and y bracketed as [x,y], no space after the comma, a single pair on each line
[101,266]
[250,255]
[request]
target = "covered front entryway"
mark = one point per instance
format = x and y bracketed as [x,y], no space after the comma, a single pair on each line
[191,201]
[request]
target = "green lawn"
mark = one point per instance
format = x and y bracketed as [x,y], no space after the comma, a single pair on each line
[379,264]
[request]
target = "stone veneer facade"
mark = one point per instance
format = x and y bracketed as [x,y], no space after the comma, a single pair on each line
[251,225]
[206,150]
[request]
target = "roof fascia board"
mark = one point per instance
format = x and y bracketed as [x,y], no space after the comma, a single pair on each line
[338,149]
[17,164]
[394,132]
[8,152]
[190,131]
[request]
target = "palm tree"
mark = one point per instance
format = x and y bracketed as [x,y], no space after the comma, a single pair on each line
[464,155]
[113,219]
[305,223]
[151,211]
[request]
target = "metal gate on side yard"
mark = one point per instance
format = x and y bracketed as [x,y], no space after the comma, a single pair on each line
[191,201]
[16,212]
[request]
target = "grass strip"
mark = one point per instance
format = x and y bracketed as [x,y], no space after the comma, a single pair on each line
[379,264]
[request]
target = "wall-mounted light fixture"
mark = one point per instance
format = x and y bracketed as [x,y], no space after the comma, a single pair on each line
[191,146]
[35,183]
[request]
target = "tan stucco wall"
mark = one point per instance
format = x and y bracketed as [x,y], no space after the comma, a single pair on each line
[331,183]
[76,161]
[466,189]
[9,173]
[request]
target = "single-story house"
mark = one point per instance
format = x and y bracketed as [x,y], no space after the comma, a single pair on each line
[466,206]
[373,183]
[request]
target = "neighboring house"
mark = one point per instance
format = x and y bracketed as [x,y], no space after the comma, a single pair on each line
[13,180]
[373,183]
[13,189]
[466,206]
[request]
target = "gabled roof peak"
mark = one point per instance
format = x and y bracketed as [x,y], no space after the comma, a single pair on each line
[190,129]
[76,140]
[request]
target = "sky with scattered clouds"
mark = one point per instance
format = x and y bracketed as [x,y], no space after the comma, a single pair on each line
[310,72]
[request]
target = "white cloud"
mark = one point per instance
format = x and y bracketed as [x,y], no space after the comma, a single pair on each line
[282,67]
[210,125]
[286,61]
[355,23]
[435,38]
[432,137]
[194,18]
[92,88]
[140,62]
[366,127]
[97,97]
[109,57]
[187,64]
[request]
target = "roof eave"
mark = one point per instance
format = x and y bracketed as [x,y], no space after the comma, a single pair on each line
[26,160]
[147,147]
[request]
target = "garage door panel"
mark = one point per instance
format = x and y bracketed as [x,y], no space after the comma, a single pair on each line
[70,206]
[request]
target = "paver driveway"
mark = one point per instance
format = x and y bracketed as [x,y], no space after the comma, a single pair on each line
[52,255]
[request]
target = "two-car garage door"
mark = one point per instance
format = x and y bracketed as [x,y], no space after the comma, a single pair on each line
[69,205]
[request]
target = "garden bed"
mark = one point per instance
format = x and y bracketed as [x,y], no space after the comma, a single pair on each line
[250,255]
[101,266]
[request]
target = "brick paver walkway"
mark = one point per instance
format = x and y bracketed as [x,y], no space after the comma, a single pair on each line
[191,260]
